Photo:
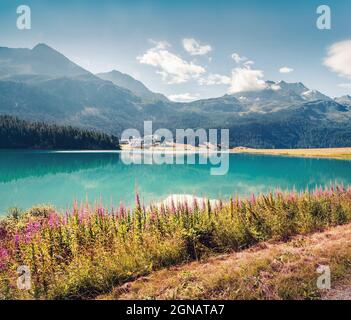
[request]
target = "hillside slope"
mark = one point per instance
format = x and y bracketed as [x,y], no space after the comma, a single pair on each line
[127,82]
[267,271]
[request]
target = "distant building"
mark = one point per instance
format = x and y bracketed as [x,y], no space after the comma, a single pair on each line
[124,141]
[146,142]
[151,141]
[136,143]
[211,146]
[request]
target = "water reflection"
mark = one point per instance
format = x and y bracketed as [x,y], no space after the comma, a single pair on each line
[15,165]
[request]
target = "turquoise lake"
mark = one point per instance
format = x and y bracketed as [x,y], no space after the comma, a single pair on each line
[30,178]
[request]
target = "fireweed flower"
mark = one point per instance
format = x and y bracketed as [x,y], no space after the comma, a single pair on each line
[54,220]
[240,203]
[318,192]
[173,208]
[101,212]
[83,215]
[112,212]
[122,211]
[291,196]
[4,258]
[220,205]
[75,206]
[17,239]
[137,201]
[203,204]
[3,233]
[153,215]
[33,227]
[340,188]
[195,204]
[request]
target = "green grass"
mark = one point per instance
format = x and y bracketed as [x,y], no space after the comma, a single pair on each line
[90,250]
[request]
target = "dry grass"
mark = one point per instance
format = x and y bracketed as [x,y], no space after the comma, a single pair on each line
[337,153]
[267,271]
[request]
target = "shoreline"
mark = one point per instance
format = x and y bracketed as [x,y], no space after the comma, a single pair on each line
[328,153]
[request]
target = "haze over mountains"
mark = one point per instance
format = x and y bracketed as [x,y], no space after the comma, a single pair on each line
[42,84]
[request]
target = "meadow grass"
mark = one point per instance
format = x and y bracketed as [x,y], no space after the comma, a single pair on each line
[334,153]
[91,249]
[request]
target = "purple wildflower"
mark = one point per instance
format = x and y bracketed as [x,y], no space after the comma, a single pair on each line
[101,212]
[17,239]
[54,220]
[173,208]
[3,233]
[137,201]
[195,204]
[4,258]
[33,227]
[122,211]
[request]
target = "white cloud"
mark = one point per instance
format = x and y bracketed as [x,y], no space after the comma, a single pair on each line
[173,68]
[246,79]
[238,59]
[195,48]
[183,97]
[214,79]
[242,78]
[286,70]
[345,85]
[339,58]
[248,63]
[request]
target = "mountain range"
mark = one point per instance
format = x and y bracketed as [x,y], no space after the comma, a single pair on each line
[42,84]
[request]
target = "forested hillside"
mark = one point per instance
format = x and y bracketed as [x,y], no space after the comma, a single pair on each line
[20,134]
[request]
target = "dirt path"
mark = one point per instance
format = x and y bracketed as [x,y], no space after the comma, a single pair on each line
[340,292]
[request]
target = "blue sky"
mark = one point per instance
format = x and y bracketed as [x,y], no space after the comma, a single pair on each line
[146,40]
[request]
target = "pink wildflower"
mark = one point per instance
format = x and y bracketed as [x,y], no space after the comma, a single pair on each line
[4,258]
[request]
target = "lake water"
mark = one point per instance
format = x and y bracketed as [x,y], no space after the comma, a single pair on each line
[29,178]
